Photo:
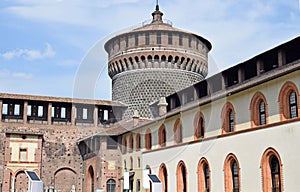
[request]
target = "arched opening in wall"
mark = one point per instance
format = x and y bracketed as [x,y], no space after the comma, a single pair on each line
[163,58]
[181,175]
[130,143]
[204,182]
[176,59]
[289,101]
[156,58]
[182,60]
[143,58]
[138,142]
[162,136]
[131,60]
[149,58]
[228,118]
[163,176]
[170,58]
[21,181]
[232,174]
[199,126]
[148,139]
[131,164]
[259,110]
[188,60]
[178,132]
[271,165]
[111,185]
[122,66]
[65,179]
[126,63]
[90,182]
[136,58]
[124,145]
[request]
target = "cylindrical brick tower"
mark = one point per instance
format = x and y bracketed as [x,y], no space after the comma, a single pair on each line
[153,61]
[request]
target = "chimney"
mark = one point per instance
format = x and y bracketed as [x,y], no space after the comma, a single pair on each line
[162,106]
[135,118]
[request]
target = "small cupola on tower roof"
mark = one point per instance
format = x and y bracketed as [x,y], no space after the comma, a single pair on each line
[157,15]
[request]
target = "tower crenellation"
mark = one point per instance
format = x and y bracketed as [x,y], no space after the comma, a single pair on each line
[153,61]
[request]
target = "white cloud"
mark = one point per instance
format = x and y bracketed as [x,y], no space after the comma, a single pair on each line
[30,54]
[7,74]
[21,75]
[75,12]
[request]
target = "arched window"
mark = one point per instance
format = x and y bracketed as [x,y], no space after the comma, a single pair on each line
[138,142]
[293,105]
[272,171]
[178,135]
[199,125]
[231,120]
[275,174]
[235,176]
[288,101]
[138,185]
[181,175]
[124,145]
[259,112]
[231,174]
[90,180]
[228,118]
[162,137]
[130,143]
[148,140]
[131,163]
[203,176]
[111,185]
[262,113]
[163,176]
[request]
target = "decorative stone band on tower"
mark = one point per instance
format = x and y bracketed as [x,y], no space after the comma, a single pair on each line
[153,61]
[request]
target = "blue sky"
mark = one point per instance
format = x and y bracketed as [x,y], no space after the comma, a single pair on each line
[55,47]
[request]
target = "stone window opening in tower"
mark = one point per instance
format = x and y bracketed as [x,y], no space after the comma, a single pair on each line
[180,40]
[147,38]
[190,42]
[158,38]
[136,40]
[170,38]
[126,41]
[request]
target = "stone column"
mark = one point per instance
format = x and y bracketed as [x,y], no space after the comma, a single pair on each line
[162,106]
[281,58]
[49,113]
[241,75]
[1,108]
[25,112]
[12,187]
[224,81]
[96,116]
[73,114]
[259,67]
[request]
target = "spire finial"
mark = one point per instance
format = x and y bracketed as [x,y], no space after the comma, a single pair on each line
[157,15]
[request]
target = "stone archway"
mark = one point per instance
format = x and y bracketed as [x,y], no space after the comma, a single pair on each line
[64,179]
[21,182]
[90,181]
